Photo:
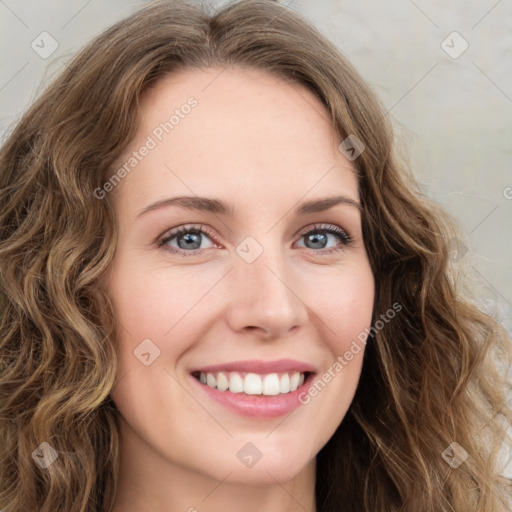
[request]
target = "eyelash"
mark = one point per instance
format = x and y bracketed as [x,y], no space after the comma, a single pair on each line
[346,240]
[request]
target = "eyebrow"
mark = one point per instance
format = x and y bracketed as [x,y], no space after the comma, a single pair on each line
[218,206]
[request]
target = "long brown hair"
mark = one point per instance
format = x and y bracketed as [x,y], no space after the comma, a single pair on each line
[430,377]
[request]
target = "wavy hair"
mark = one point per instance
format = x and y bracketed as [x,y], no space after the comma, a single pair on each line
[430,377]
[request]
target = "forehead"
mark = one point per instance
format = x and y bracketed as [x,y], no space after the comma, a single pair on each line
[247,131]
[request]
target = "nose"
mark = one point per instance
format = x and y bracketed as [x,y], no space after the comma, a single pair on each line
[263,297]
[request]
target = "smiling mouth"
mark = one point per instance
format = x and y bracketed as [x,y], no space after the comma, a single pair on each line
[270,384]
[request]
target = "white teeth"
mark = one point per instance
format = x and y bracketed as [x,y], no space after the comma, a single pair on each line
[294,381]
[284,384]
[271,384]
[211,380]
[222,381]
[236,384]
[253,384]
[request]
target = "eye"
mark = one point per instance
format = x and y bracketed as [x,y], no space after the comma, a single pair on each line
[189,239]
[319,236]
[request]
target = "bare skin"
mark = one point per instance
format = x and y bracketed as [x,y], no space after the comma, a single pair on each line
[265,146]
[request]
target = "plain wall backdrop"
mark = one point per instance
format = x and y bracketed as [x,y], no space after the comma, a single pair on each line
[442,69]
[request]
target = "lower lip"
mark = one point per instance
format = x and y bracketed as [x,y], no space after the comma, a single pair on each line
[257,406]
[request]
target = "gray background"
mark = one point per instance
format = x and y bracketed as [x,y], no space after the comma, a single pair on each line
[452,110]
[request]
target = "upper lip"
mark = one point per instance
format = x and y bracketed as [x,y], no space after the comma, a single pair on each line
[258,366]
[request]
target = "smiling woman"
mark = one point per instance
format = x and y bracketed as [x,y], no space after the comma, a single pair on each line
[242,304]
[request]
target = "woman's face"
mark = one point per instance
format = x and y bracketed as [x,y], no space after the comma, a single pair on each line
[252,301]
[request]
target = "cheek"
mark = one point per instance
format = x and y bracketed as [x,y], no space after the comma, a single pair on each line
[148,307]
[345,305]
[161,313]
[345,310]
